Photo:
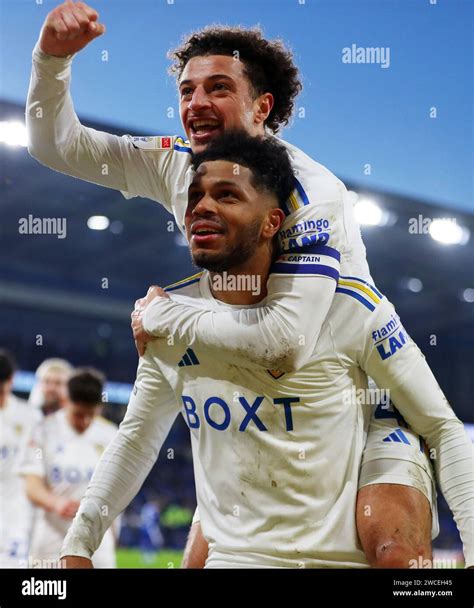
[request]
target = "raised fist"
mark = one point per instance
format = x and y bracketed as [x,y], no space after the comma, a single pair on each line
[69,28]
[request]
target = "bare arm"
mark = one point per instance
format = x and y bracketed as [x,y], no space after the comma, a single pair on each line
[40,494]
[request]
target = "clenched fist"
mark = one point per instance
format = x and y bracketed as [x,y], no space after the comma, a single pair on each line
[69,28]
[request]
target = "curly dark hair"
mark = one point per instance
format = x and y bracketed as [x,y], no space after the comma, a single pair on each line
[264,156]
[268,64]
[85,386]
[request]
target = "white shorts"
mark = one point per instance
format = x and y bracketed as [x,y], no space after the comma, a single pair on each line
[395,454]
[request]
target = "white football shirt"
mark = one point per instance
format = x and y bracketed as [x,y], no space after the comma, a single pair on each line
[66,460]
[277,455]
[16,512]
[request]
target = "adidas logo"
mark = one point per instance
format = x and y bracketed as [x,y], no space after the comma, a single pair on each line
[398,436]
[189,358]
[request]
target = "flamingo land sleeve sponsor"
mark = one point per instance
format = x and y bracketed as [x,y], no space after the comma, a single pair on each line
[305,250]
[303,233]
[390,338]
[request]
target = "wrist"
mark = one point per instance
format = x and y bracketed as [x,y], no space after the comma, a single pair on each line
[40,54]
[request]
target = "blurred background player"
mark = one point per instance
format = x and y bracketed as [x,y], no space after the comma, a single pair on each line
[58,463]
[151,538]
[16,512]
[49,393]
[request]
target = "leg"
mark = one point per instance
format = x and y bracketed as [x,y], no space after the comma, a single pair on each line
[394,525]
[195,552]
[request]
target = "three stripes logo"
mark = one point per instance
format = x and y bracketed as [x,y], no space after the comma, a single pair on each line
[398,436]
[189,358]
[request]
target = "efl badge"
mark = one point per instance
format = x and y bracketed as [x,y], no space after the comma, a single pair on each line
[152,143]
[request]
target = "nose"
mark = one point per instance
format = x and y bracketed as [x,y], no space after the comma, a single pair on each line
[199,99]
[205,206]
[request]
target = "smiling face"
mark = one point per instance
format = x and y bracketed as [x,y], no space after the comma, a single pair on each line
[216,95]
[229,222]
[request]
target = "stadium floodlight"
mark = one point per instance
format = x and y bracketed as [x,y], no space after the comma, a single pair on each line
[98,222]
[369,213]
[467,295]
[116,227]
[13,133]
[414,285]
[448,232]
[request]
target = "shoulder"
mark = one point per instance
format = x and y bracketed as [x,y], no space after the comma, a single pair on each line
[313,180]
[22,409]
[186,287]
[359,294]
[24,416]
[160,143]
[106,428]
[354,312]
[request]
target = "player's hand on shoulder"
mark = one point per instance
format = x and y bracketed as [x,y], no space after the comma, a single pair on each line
[69,28]
[74,561]
[140,336]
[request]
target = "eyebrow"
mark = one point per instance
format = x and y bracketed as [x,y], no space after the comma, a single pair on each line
[213,77]
[223,182]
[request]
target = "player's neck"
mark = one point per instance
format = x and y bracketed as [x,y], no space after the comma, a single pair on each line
[241,285]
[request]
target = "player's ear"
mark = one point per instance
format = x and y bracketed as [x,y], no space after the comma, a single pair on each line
[274,220]
[262,107]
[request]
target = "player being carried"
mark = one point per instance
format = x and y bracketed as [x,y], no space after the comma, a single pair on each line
[320,242]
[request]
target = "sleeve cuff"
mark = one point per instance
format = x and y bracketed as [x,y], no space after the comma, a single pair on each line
[41,56]
[149,317]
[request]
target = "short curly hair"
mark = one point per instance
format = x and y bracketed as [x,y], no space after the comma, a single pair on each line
[267,159]
[268,64]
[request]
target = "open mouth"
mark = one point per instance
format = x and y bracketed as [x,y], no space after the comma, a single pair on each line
[205,233]
[204,126]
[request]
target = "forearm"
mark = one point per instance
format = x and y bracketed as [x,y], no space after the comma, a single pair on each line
[56,136]
[39,493]
[281,334]
[126,462]
[119,475]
